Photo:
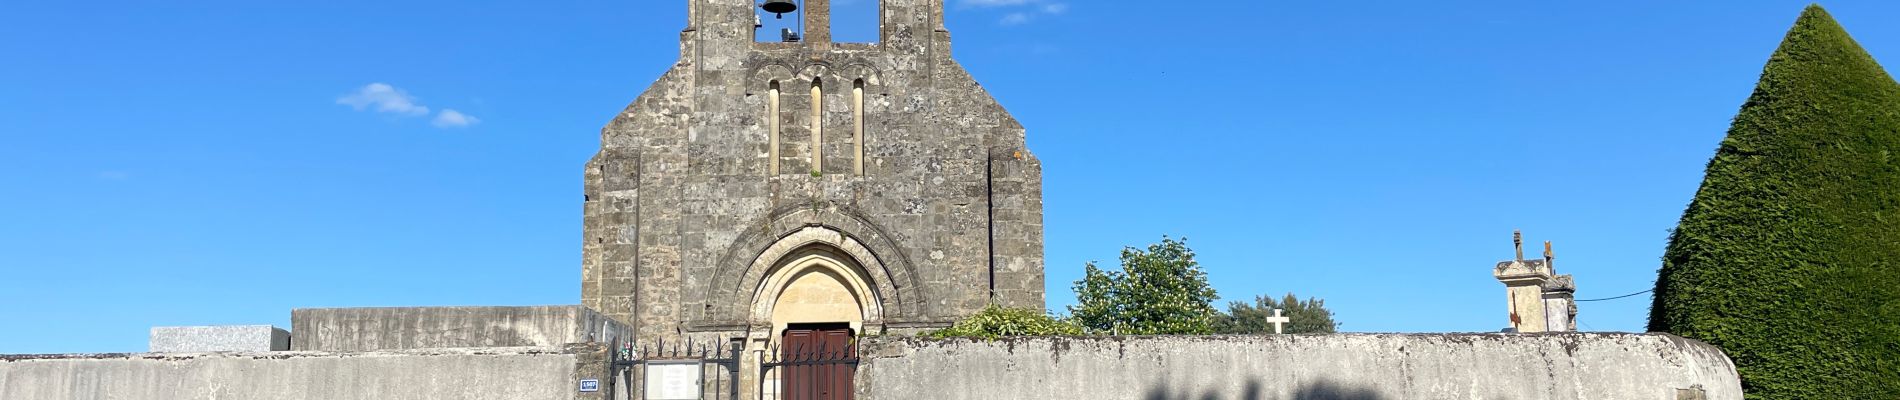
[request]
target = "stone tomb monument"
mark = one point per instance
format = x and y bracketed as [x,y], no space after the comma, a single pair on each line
[1540,300]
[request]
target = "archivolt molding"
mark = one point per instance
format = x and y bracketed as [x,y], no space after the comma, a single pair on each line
[752,258]
[872,81]
[838,261]
[786,75]
[815,71]
[764,75]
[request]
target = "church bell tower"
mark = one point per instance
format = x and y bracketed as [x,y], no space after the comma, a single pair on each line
[761,188]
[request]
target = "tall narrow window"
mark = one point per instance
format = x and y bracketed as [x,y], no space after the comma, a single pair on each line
[771,114]
[817,126]
[857,127]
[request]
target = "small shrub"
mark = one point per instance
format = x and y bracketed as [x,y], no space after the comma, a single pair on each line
[995,322]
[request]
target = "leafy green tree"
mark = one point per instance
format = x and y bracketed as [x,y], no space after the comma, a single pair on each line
[1787,257]
[996,321]
[1309,316]
[1159,291]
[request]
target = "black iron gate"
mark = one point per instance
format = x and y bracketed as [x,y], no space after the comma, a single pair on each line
[805,370]
[823,371]
[716,364]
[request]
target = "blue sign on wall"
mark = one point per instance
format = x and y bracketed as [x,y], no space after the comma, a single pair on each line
[590,385]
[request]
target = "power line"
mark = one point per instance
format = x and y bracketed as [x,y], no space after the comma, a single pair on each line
[1619,297]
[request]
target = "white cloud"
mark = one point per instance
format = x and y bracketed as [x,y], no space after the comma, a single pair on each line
[1015,18]
[383,98]
[449,118]
[1021,11]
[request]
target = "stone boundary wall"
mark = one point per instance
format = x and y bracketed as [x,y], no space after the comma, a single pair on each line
[459,374]
[1555,366]
[398,328]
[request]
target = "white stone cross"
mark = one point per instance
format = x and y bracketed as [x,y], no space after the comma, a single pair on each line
[1276,320]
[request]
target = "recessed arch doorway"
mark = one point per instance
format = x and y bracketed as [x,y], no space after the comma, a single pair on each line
[816,301]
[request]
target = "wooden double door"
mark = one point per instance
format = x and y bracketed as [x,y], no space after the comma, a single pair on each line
[818,362]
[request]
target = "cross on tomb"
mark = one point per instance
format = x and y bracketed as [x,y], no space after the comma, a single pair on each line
[1276,320]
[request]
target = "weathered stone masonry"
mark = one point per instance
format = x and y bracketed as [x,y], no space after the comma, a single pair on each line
[681,203]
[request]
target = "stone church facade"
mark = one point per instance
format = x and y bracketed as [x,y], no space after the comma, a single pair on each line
[762,195]
[758,187]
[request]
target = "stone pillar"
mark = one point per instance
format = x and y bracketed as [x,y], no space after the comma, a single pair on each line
[1560,306]
[592,361]
[818,22]
[1523,288]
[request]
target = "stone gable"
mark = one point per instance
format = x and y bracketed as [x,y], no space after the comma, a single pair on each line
[940,196]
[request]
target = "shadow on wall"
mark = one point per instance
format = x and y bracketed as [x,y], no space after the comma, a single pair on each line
[1327,390]
[1253,390]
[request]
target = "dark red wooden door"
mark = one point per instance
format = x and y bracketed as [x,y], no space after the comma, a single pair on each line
[821,361]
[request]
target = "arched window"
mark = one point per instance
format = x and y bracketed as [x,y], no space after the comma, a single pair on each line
[817,126]
[772,115]
[857,127]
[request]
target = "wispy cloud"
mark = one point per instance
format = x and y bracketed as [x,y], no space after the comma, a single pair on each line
[1015,18]
[449,118]
[383,98]
[1020,11]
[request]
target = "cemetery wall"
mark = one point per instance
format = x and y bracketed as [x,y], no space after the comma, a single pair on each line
[460,374]
[395,328]
[1351,366]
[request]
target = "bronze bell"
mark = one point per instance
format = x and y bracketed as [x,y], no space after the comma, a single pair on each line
[779,7]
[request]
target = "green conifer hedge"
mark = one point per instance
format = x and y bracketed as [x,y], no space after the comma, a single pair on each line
[1789,257]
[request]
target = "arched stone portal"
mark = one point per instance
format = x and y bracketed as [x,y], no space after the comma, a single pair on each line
[812,303]
[816,284]
[750,283]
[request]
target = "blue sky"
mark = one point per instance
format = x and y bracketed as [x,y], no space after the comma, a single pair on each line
[167,164]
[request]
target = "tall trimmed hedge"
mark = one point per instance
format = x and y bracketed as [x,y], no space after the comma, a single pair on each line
[1789,256]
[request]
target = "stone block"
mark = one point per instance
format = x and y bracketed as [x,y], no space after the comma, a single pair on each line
[205,339]
[401,328]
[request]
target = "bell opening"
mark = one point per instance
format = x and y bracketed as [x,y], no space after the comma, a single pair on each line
[771,30]
[855,21]
[779,7]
